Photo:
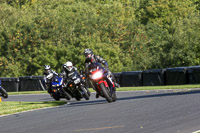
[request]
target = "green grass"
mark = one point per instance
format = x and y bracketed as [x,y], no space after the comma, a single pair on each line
[27,92]
[7,107]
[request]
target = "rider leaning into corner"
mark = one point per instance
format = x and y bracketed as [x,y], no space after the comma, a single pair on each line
[91,58]
[68,70]
[48,75]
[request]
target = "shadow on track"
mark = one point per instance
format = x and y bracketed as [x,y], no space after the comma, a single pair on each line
[160,95]
[95,102]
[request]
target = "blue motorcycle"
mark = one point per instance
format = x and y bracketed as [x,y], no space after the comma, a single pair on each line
[3,92]
[57,90]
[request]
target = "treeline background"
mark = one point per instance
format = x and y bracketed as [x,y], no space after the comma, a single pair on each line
[130,34]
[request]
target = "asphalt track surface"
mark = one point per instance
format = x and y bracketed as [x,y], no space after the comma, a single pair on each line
[134,112]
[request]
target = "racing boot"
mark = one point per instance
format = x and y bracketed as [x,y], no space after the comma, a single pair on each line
[116,85]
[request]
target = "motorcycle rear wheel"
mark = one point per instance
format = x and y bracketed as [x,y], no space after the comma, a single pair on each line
[85,95]
[106,93]
[3,93]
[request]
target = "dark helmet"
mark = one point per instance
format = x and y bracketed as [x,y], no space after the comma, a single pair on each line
[87,52]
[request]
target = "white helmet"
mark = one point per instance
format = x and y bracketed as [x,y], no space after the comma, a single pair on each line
[68,65]
[47,67]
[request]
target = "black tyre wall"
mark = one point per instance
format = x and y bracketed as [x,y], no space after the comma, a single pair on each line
[153,77]
[10,84]
[176,76]
[133,78]
[194,75]
[31,83]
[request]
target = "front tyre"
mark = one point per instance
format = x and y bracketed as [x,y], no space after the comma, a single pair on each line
[106,92]
[67,96]
[57,98]
[3,93]
[77,98]
[114,97]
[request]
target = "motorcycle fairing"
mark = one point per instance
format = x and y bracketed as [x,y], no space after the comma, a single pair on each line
[57,82]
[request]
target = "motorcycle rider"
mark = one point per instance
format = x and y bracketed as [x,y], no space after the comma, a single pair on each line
[91,58]
[68,72]
[48,76]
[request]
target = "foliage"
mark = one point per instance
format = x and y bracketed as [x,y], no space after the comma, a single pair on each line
[130,35]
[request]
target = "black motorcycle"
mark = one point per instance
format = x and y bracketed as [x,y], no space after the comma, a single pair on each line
[76,87]
[3,92]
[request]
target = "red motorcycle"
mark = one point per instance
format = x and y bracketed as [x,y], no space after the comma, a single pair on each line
[102,82]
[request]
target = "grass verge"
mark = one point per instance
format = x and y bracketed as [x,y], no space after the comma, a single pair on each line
[27,92]
[15,107]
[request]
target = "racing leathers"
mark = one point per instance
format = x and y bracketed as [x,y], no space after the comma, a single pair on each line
[66,74]
[48,77]
[98,59]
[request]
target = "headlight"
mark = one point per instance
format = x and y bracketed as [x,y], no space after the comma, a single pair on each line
[56,85]
[97,75]
[77,81]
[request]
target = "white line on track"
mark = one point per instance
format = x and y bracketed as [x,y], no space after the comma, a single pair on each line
[33,110]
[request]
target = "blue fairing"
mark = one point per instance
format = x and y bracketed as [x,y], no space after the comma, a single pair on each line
[57,81]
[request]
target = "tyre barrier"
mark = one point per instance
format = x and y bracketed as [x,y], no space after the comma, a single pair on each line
[31,83]
[153,77]
[10,84]
[194,75]
[156,77]
[176,76]
[133,78]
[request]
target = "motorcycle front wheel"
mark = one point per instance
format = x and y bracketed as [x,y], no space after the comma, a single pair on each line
[77,98]
[114,97]
[3,93]
[106,93]
[67,96]
[56,98]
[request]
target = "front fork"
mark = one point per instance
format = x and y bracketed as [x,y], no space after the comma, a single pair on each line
[110,84]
